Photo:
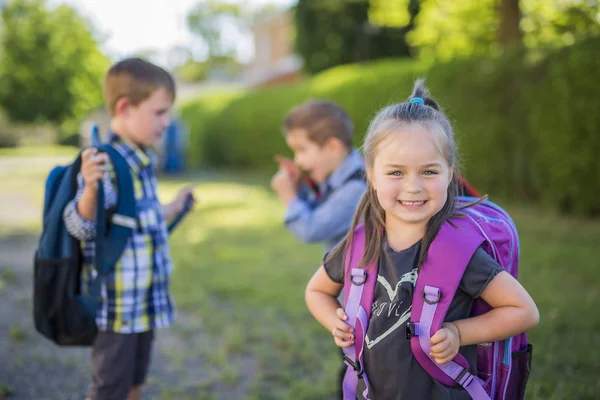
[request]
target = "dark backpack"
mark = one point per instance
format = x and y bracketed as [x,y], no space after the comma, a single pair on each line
[61,312]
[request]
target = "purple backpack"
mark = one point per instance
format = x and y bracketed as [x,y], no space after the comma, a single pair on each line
[502,367]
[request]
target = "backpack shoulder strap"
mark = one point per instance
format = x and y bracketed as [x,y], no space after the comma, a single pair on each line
[358,175]
[124,218]
[359,287]
[436,285]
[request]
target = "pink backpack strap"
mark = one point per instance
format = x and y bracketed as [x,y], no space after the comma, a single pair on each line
[359,287]
[436,285]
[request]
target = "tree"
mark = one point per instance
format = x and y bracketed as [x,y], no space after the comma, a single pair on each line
[207,20]
[51,68]
[509,31]
[449,29]
[334,32]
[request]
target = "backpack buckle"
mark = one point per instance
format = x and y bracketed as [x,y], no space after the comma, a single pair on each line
[464,378]
[360,275]
[411,330]
[429,291]
[355,365]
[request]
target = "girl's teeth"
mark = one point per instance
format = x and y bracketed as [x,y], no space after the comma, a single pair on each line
[413,203]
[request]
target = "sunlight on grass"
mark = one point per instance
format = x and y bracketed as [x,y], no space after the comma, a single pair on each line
[251,279]
[242,275]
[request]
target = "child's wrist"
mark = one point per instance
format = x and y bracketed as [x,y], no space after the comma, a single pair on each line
[89,194]
[457,332]
[90,190]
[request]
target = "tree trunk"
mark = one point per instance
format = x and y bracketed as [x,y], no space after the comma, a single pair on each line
[509,32]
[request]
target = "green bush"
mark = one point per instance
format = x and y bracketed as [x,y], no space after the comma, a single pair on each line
[564,119]
[527,123]
[482,98]
[8,137]
[204,148]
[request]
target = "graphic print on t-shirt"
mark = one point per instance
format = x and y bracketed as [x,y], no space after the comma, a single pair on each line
[395,309]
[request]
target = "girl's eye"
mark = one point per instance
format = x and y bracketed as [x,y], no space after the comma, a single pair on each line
[429,172]
[396,173]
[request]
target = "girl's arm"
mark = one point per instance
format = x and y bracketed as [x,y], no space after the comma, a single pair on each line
[321,299]
[513,312]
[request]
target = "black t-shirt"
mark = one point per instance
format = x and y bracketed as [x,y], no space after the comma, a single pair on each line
[393,372]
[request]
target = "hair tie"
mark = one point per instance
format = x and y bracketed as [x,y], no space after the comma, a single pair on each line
[416,100]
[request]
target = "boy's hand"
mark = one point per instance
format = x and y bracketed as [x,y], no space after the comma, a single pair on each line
[445,343]
[343,334]
[179,202]
[284,185]
[93,167]
[288,164]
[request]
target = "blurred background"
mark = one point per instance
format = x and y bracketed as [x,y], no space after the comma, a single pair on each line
[518,78]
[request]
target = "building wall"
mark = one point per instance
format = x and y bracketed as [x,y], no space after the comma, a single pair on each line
[275,61]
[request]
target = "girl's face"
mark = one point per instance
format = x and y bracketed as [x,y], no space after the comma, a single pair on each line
[410,177]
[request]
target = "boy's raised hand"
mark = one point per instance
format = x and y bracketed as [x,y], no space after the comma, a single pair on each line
[181,198]
[445,343]
[343,334]
[285,180]
[289,165]
[93,167]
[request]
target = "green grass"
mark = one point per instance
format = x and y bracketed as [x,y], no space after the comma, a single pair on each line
[54,150]
[244,275]
[5,391]
[17,334]
[239,272]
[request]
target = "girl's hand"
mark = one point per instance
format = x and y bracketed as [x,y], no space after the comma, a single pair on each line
[445,343]
[343,334]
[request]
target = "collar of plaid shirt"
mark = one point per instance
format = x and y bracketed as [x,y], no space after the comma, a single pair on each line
[137,157]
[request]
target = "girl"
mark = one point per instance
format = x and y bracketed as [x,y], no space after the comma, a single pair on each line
[411,156]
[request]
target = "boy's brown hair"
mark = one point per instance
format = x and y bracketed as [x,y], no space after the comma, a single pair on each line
[135,79]
[321,120]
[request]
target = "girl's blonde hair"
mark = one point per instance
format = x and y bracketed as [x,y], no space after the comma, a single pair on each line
[390,120]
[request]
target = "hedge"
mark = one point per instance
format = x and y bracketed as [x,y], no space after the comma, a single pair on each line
[527,123]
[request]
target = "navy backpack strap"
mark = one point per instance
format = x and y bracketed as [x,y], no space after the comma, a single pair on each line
[110,243]
[358,175]
[123,220]
[189,202]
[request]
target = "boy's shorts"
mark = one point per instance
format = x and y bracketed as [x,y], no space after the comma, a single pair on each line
[119,362]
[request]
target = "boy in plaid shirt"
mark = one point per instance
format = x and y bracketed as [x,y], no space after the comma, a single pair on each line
[135,294]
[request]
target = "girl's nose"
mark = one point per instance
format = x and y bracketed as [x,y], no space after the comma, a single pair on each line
[413,185]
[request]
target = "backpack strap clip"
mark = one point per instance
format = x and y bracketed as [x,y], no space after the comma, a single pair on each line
[411,330]
[358,276]
[355,365]
[431,292]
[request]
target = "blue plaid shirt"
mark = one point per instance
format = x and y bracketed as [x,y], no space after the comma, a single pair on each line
[135,294]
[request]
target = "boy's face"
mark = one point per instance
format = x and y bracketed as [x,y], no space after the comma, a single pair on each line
[146,122]
[318,161]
